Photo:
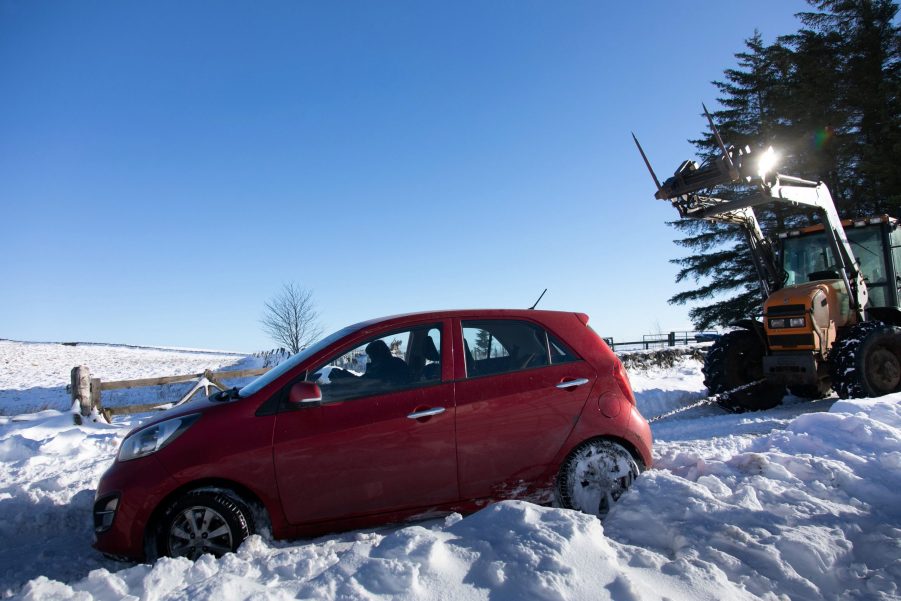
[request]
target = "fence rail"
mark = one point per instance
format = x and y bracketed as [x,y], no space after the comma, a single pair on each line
[223,375]
[87,391]
[649,341]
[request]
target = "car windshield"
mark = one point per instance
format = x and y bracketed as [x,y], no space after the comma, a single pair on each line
[295,360]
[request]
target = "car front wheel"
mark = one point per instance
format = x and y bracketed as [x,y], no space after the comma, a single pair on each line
[594,476]
[203,521]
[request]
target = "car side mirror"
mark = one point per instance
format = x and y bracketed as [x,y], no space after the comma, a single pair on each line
[305,394]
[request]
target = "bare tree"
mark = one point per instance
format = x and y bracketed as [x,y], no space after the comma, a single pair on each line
[291,319]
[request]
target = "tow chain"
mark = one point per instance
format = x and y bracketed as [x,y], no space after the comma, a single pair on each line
[711,400]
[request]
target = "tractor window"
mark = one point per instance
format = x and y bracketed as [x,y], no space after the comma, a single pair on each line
[807,258]
[896,255]
[867,246]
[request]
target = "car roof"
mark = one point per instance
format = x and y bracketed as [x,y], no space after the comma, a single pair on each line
[537,314]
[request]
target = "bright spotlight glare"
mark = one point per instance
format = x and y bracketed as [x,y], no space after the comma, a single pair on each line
[767,162]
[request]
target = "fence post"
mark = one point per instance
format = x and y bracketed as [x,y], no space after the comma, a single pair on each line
[212,378]
[671,339]
[81,391]
[95,398]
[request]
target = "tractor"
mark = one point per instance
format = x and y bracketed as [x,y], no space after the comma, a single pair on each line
[831,307]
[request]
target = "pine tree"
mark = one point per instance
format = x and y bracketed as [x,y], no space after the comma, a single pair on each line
[829,98]
[813,111]
[483,345]
[720,254]
[865,45]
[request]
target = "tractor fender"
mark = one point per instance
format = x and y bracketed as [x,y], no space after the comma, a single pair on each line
[888,315]
[754,326]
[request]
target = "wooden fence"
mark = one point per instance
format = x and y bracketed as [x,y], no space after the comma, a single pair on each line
[86,391]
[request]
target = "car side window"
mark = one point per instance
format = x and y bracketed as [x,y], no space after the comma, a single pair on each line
[495,346]
[560,353]
[380,365]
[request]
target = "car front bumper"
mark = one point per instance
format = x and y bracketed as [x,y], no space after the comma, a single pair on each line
[140,486]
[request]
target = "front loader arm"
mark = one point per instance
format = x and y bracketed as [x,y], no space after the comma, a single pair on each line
[682,191]
[786,188]
[768,273]
[734,166]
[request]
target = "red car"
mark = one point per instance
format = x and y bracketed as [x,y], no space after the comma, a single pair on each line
[396,418]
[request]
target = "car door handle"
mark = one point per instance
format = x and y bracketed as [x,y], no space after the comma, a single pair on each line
[426,413]
[572,383]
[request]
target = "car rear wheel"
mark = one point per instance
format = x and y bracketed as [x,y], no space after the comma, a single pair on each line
[203,521]
[595,476]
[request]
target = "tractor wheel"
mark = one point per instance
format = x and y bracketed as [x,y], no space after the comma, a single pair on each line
[866,361]
[735,360]
[813,392]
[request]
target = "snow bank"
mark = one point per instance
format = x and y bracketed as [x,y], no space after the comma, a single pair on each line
[48,471]
[661,389]
[512,550]
[812,512]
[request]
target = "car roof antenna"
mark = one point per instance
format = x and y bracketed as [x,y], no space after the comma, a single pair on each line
[538,301]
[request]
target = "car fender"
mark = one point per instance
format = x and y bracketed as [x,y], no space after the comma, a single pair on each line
[608,414]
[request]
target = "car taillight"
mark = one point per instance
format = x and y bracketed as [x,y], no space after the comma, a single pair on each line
[622,380]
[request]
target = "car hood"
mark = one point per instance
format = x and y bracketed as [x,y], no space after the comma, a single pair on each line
[201,405]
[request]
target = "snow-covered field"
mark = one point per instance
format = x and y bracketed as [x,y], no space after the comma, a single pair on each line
[799,502]
[34,375]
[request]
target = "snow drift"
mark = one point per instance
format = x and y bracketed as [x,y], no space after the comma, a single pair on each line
[797,502]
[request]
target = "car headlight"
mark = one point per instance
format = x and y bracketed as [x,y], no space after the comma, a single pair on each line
[777,323]
[153,438]
[796,322]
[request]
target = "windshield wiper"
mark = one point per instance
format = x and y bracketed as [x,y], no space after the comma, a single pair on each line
[225,395]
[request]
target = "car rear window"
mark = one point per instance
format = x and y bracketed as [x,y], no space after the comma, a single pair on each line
[495,346]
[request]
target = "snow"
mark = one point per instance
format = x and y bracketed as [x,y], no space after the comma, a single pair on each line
[799,502]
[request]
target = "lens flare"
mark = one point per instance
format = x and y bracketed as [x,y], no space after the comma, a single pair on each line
[767,162]
[822,137]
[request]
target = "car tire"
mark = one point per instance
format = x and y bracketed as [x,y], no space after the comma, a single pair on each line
[866,361]
[594,476]
[203,521]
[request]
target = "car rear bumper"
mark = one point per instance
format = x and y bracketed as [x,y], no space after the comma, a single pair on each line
[639,434]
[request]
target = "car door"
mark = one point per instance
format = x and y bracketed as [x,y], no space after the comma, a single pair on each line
[383,450]
[514,408]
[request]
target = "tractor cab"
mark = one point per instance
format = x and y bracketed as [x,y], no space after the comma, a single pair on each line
[806,256]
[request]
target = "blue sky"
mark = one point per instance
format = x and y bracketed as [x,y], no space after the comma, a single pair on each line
[166,166]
